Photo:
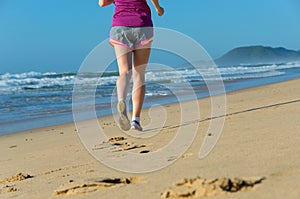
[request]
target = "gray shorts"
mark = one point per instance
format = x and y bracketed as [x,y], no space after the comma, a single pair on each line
[131,37]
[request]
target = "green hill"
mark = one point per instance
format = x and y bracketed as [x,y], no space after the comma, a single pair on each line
[258,54]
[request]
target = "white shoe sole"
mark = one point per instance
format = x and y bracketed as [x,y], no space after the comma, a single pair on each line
[136,129]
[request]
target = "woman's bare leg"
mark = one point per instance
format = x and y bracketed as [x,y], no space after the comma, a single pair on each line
[124,59]
[141,58]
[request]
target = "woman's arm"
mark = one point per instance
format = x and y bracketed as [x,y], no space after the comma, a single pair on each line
[103,3]
[160,11]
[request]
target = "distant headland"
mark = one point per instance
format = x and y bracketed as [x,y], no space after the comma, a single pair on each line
[258,54]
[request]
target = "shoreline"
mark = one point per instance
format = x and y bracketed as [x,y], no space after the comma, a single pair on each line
[147,108]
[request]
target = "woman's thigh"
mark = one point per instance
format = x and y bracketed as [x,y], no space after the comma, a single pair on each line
[124,58]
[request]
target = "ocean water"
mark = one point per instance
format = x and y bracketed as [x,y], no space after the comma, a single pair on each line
[33,99]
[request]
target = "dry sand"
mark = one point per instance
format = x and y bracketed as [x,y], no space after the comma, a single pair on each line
[257,156]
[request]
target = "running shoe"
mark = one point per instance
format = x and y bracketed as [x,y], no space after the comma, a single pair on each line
[123,122]
[136,125]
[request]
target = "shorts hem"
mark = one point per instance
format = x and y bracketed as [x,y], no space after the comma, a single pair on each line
[145,42]
[114,41]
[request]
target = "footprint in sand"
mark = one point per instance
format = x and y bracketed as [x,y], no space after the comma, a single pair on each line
[200,187]
[96,185]
[17,177]
[120,144]
[10,188]
[116,139]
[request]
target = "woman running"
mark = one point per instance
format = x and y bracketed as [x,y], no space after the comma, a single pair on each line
[131,35]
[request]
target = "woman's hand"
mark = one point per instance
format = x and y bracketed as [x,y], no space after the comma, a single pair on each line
[103,3]
[160,11]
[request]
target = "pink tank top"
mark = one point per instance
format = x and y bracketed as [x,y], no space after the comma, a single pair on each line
[132,13]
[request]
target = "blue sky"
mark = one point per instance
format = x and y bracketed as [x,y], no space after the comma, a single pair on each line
[57,35]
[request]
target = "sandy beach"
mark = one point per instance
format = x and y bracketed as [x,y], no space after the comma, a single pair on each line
[257,155]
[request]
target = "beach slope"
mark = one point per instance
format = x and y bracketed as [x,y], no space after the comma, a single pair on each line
[257,156]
